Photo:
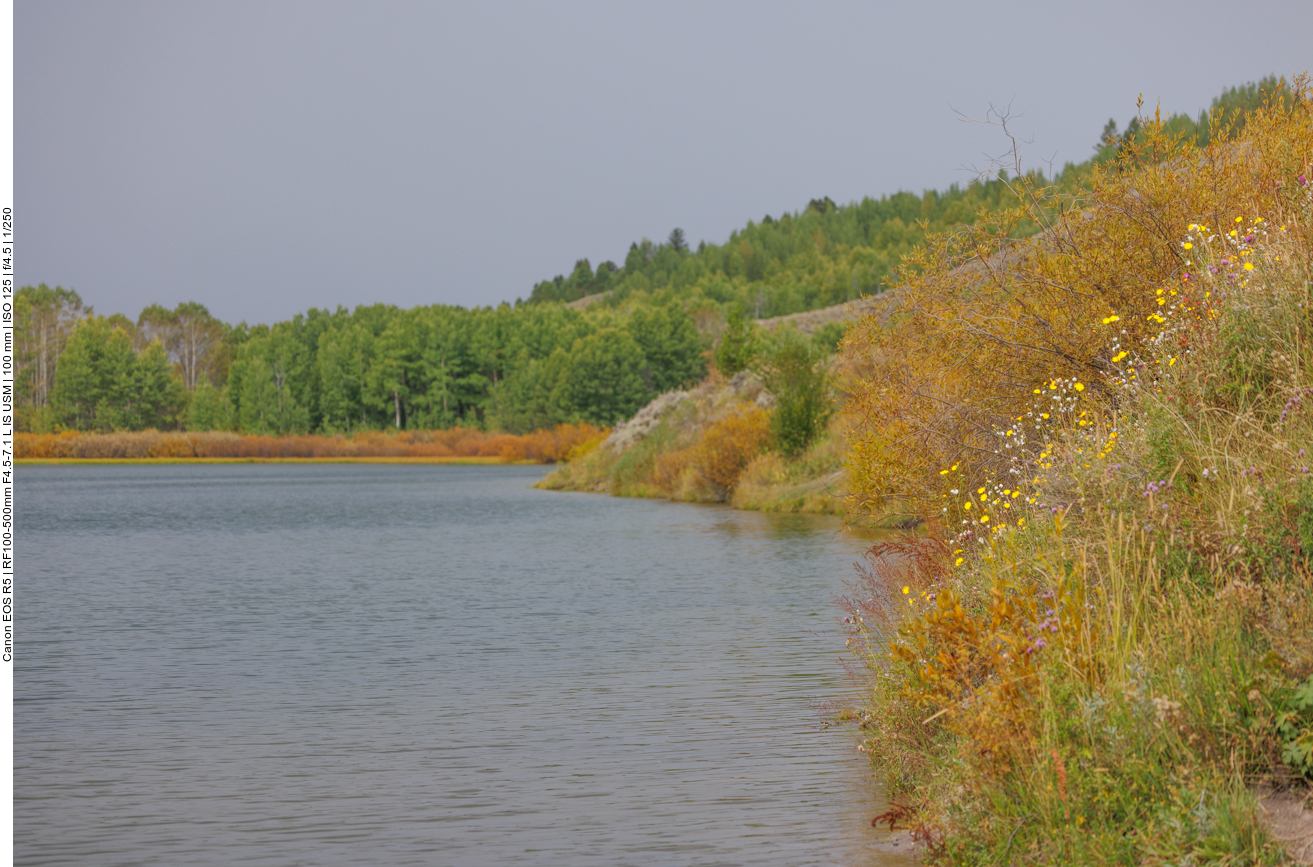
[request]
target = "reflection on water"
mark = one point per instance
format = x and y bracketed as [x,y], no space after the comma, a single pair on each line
[364,664]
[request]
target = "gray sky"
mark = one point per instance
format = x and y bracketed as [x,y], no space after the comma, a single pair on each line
[267,157]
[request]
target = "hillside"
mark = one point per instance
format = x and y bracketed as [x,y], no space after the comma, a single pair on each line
[1101,650]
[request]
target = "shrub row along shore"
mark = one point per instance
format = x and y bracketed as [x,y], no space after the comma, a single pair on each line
[547,446]
[1102,653]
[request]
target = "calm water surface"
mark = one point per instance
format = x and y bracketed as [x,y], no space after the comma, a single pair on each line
[382,664]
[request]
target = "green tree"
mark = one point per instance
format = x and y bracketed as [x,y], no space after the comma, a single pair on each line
[826,337]
[208,408]
[532,396]
[796,374]
[103,384]
[670,344]
[394,372]
[736,348]
[95,360]
[194,340]
[267,372]
[44,318]
[145,393]
[1107,138]
[602,378]
[345,353]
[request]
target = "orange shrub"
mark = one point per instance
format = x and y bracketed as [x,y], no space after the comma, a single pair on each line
[61,445]
[668,471]
[175,445]
[726,448]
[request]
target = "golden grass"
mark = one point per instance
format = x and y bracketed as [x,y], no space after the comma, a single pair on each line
[441,446]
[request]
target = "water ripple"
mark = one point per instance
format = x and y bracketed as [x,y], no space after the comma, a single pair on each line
[344,664]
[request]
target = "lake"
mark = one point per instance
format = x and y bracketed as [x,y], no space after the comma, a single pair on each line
[413,664]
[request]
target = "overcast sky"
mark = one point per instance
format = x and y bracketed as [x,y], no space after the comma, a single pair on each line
[267,157]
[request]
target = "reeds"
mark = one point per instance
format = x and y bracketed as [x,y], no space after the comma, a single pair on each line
[550,445]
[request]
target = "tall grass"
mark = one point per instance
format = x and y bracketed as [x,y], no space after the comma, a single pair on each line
[549,445]
[1106,643]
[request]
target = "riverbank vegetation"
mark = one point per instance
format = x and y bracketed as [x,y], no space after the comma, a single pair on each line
[763,438]
[1102,650]
[546,446]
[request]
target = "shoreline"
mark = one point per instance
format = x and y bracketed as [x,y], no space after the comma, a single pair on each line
[384,459]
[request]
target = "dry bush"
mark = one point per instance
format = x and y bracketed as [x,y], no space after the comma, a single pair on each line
[60,445]
[560,443]
[174,445]
[669,471]
[543,446]
[726,448]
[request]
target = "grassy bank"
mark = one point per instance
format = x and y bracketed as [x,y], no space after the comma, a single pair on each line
[1102,653]
[711,445]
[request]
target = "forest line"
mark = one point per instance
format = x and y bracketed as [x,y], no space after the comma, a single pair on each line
[512,368]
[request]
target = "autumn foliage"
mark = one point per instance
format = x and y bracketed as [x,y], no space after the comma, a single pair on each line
[1102,649]
[726,448]
[982,318]
[549,445]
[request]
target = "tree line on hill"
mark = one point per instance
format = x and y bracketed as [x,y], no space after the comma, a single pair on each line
[827,254]
[513,368]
